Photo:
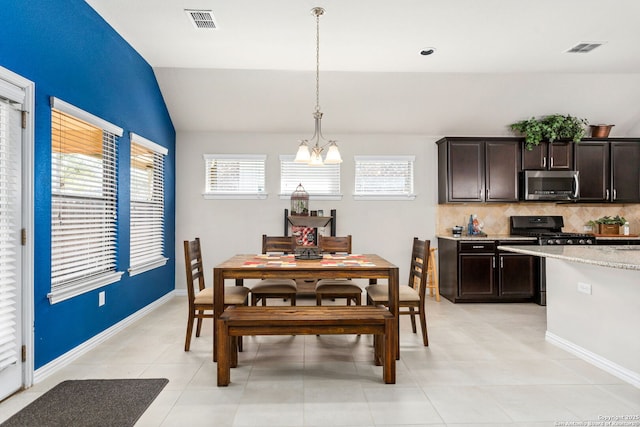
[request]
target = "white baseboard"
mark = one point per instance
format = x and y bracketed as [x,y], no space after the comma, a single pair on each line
[614,369]
[62,361]
[180,292]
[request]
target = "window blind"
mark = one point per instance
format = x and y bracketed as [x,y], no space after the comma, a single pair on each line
[384,176]
[316,180]
[235,175]
[147,205]
[9,232]
[83,217]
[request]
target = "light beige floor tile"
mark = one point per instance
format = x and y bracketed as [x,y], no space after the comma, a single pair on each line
[270,414]
[462,404]
[487,365]
[337,414]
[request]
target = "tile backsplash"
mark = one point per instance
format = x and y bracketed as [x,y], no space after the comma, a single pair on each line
[496,216]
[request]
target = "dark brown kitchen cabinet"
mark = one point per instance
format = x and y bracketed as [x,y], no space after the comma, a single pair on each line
[592,161]
[478,170]
[517,275]
[609,170]
[548,156]
[476,271]
[625,171]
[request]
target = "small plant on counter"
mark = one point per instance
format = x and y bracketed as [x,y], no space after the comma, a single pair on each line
[611,220]
[607,224]
[555,126]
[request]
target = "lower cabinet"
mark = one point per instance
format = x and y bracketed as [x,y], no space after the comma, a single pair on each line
[476,271]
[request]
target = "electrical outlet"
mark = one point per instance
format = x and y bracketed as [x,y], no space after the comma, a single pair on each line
[585,288]
[101,299]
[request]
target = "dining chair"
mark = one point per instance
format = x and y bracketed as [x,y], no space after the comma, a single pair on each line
[274,287]
[337,288]
[201,297]
[411,297]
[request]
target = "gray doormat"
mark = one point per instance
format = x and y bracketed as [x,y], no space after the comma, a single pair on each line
[116,403]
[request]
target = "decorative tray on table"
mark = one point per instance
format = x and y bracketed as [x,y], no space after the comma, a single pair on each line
[311,252]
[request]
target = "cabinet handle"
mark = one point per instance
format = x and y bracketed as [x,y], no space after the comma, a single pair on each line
[494,262]
[551,164]
[615,195]
[478,247]
[606,194]
[487,196]
[544,162]
[501,262]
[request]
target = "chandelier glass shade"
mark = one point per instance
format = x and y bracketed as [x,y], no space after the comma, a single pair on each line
[310,150]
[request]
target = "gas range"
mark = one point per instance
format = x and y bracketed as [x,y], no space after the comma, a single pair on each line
[547,229]
[565,239]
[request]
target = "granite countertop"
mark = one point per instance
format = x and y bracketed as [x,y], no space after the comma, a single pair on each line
[487,237]
[618,237]
[623,256]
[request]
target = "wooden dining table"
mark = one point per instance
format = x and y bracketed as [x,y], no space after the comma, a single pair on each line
[352,266]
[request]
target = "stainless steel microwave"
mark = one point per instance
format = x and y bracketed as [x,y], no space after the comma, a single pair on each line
[551,185]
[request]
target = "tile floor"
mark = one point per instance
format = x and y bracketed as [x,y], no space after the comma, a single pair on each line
[487,364]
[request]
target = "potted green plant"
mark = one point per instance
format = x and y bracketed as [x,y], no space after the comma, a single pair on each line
[608,224]
[552,127]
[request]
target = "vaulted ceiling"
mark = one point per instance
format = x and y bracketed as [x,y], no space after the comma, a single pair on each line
[495,62]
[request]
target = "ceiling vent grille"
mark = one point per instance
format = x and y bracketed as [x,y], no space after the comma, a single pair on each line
[584,47]
[201,19]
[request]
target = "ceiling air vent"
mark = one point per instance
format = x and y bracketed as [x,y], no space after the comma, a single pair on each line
[584,47]
[201,19]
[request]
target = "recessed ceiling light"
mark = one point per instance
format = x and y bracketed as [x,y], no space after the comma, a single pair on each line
[427,51]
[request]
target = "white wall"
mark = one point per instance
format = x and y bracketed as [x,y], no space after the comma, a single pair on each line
[602,326]
[228,227]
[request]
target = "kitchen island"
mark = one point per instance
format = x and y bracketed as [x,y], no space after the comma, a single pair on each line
[593,293]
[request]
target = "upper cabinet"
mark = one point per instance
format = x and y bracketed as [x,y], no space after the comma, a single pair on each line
[625,171]
[488,169]
[548,156]
[609,170]
[478,170]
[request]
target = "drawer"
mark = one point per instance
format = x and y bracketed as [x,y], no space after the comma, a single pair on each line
[481,246]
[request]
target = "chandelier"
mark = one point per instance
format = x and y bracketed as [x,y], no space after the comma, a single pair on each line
[313,156]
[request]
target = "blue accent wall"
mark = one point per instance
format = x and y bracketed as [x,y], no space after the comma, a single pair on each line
[71,53]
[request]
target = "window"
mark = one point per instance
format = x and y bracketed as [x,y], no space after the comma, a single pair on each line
[321,182]
[384,177]
[147,205]
[83,201]
[235,176]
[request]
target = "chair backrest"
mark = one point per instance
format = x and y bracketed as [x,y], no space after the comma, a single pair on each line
[333,244]
[193,266]
[284,244]
[419,265]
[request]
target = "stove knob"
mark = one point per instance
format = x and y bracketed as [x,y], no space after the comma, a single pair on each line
[558,241]
[582,242]
[550,242]
[589,241]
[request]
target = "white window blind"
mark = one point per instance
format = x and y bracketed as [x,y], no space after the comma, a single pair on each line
[239,176]
[9,231]
[321,182]
[147,205]
[83,199]
[384,177]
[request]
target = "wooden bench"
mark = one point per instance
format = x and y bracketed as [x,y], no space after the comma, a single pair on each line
[314,320]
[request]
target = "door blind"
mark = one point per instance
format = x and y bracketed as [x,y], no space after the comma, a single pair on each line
[83,220]
[9,232]
[147,206]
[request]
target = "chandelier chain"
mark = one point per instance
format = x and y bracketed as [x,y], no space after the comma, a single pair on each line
[317,61]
